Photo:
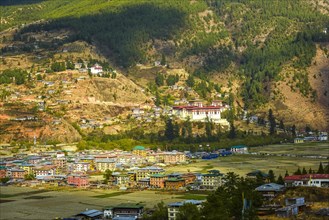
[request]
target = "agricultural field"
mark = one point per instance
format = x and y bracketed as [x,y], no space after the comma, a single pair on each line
[264,158]
[27,203]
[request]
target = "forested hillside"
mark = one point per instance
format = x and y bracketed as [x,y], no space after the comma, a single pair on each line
[255,40]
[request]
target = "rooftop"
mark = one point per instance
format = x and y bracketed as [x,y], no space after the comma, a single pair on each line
[139,148]
[270,187]
[179,204]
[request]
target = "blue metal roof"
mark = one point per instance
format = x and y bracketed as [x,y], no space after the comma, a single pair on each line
[192,201]
[91,213]
[270,187]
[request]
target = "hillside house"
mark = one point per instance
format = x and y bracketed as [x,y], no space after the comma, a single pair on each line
[270,190]
[173,208]
[195,111]
[317,180]
[96,69]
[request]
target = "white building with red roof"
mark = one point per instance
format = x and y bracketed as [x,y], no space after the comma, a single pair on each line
[318,180]
[195,111]
[96,69]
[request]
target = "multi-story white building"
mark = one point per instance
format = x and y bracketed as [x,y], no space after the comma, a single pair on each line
[105,164]
[81,166]
[197,112]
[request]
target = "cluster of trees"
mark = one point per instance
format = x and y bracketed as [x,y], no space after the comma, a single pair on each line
[261,62]
[161,79]
[17,76]
[321,170]
[235,199]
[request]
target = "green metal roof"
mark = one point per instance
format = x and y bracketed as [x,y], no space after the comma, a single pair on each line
[139,148]
[158,175]
[129,205]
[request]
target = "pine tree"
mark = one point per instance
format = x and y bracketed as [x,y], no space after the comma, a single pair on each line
[320,170]
[169,130]
[310,171]
[271,176]
[298,172]
[280,180]
[304,171]
[286,174]
[271,119]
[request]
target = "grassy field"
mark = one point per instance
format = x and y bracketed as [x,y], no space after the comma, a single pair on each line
[64,203]
[309,149]
[242,164]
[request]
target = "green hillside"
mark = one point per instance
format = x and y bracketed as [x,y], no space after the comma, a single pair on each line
[253,38]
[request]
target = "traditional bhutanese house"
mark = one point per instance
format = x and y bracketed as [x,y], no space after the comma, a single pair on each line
[257,174]
[140,151]
[18,173]
[90,160]
[78,180]
[96,69]
[174,183]
[28,168]
[173,208]
[34,159]
[173,157]
[105,164]
[158,180]
[81,166]
[318,180]
[60,162]
[89,215]
[121,179]
[198,113]
[270,190]
[128,210]
[3,172]
[146,172]
[211,180]
[144,183]
[45,171]
[189,178]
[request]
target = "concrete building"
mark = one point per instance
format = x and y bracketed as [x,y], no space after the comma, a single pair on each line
[173,208]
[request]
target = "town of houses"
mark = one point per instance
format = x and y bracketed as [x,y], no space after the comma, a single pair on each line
[140,168]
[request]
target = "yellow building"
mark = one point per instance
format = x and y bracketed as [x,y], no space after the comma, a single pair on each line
[140,151]
[28,168]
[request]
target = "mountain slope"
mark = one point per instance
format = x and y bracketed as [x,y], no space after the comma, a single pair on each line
[251,42]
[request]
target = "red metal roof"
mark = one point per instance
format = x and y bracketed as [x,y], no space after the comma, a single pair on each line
[196,107]
[307,177]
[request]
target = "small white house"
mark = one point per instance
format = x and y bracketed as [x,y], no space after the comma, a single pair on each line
[96,69]
[240,149]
